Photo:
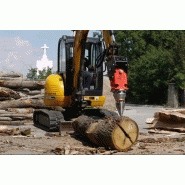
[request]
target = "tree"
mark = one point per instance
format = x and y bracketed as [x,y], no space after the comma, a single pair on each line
[44,73]
[155,57]
[32,74]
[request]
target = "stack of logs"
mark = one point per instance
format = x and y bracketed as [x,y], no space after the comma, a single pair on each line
[18,98]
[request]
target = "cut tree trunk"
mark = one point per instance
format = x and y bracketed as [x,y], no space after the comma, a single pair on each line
[6,92]
[118,133]
[34,103]
[34,85]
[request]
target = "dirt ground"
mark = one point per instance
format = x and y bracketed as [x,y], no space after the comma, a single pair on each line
[43,143]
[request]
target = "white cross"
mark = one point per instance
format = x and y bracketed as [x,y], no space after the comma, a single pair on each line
[44,48]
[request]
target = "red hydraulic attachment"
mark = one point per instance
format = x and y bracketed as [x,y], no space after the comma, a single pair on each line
[119,81]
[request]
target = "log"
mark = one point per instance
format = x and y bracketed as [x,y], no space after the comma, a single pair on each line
[111,131]
[3,111]
[12,75]
[10,78]
[5,119]
[20,111]
[6,92]
[39,96]
[22,84]
[15,115]
[34,103]
[3,129]
[5,98]
[13,123]
[36,92]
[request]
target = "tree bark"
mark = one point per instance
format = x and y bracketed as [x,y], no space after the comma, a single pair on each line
[110,131]
[14,123]
[17,110]
[6,92]
[5,119]
[12,75]
[36,92]
[34,103]
[34,85]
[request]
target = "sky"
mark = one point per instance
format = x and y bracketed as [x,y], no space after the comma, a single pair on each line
[20,49]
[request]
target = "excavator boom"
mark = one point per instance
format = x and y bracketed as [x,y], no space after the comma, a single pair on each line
[116,65]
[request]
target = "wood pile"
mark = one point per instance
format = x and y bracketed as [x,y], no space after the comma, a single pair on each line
[18,98]
[171,120]
[4,130]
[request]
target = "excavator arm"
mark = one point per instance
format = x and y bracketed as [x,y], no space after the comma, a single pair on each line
[116,65]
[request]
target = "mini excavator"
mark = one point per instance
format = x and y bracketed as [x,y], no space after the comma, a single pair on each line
[78,89]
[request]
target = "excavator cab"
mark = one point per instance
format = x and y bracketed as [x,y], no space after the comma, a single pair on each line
[91,75]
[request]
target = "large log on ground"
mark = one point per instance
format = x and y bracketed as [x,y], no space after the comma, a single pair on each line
[111,131]
[22,84]
[6,92]
[34,103]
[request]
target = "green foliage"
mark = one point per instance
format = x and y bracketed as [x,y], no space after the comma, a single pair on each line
[44,73]
[32,74]
[155,57]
